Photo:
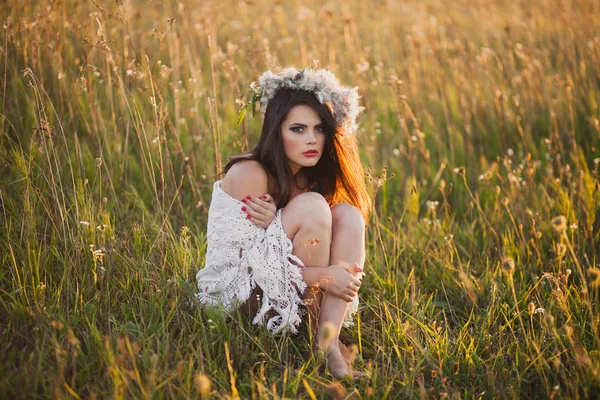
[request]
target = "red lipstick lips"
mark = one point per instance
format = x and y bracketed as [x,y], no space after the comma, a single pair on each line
[311,153]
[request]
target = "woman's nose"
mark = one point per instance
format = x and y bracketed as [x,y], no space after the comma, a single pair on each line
[312,138]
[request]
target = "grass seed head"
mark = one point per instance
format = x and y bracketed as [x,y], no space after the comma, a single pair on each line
[549,320]
[203,383]
[568,330]
[336,391]
[559,224]
[57,325]
[508,265]
[460,171]
[594,276]
[313,242]
[326,335]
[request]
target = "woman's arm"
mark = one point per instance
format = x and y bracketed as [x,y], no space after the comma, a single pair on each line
[312,275]
[342,280]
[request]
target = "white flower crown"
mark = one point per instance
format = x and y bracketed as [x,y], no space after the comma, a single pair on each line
[326,87]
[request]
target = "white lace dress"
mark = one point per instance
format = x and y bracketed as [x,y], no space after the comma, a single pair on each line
[241,255]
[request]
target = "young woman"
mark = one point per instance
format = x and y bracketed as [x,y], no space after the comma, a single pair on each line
[286,229]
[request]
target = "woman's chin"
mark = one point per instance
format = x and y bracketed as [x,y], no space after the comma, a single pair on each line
[310,163]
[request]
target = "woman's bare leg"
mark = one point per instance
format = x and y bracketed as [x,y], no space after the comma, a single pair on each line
[348,245]
[307,222]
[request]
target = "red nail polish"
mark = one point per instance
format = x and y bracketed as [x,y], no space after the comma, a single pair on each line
[248,197]
[243,208]
[247,217]
[264,197]
[243,200]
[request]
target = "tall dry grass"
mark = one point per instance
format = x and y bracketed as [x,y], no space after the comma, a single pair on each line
[481,133]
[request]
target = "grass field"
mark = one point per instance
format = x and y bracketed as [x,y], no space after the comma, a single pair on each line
[481,135]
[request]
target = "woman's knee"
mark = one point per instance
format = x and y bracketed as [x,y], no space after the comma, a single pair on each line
[347,217]
[307,209]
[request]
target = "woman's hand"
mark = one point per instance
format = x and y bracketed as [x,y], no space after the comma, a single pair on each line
[261,210]
[342,280]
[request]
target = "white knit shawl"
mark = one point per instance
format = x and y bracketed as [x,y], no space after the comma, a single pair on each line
[241,255]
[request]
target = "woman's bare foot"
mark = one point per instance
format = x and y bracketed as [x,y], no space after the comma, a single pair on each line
[350,355]
[338,366]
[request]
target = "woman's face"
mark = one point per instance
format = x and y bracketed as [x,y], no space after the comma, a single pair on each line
[303,137]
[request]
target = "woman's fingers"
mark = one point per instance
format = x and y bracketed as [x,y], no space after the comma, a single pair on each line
[267,199]
[249,211]
[258,205]
[353,268]
[347,296]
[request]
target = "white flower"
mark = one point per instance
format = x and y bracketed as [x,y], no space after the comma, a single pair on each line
[432,204]
[362,67]
[84,223]
[98,254]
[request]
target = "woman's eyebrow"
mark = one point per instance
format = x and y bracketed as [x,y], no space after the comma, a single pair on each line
[302,125]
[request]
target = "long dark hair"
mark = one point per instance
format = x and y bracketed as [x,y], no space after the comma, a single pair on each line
[338,175]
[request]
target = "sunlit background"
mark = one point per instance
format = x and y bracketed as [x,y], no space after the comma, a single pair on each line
[480,137]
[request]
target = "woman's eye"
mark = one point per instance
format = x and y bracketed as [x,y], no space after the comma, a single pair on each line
[318,129]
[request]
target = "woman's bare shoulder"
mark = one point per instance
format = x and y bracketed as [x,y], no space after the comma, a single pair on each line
[244,178]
